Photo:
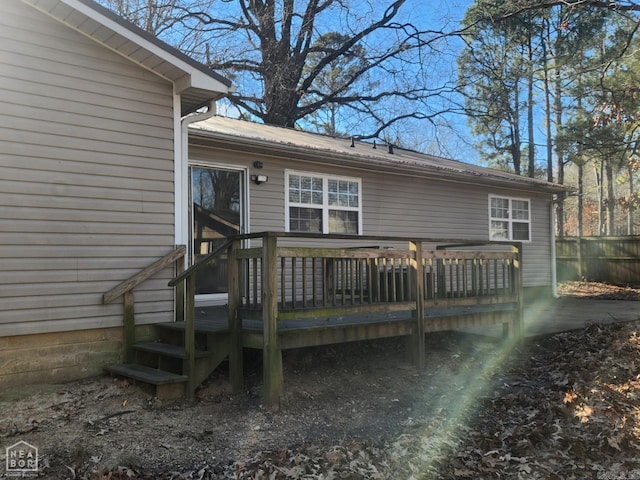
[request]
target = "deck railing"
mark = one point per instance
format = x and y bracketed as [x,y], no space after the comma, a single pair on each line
[313,281]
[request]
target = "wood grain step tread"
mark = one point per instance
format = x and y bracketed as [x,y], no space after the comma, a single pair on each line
[146,374]
[168,350]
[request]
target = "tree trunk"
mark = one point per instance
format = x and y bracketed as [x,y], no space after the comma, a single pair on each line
[516,146]
[631,207]
[598,170]
[558,109]
[559,155]
[610,203]
[580,201]
[547,108]
[530,129]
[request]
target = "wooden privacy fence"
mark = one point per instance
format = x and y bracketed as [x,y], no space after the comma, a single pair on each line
[603,259]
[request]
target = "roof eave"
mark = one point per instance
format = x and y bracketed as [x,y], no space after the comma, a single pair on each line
[266,147]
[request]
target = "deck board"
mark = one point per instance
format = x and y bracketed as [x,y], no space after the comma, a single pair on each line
[214,319]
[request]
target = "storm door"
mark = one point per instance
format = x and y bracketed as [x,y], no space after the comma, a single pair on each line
[217,213]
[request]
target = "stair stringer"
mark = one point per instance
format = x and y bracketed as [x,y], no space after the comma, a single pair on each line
[218,346]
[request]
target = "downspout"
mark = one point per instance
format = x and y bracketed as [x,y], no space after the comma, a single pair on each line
[554,268]
[184,165]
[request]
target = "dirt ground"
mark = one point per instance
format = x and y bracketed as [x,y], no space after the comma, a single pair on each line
[559,407]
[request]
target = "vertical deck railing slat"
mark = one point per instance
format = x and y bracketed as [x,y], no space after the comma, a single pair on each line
[304,282]
[246,281]
[487,272]
[433,272]
[255,282]
[474,276]
[361,282]
[375,279]
[294,282]
[504,277]
[283,282]
[385,264]
[325,277]
[404,272]
[343,281]
[334,282]
[366,279]
[314,292]
[179,292]
[352,275]
[506,269]
[465,270]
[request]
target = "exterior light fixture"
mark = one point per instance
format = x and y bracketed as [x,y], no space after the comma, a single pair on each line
[258,179]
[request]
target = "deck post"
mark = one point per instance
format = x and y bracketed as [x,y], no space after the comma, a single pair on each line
[518,314]
[179,291]
[235,322]
[418,342]
[129,325]
[272,375]
[190,334]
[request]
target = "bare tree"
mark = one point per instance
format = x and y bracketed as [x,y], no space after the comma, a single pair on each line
[274,53]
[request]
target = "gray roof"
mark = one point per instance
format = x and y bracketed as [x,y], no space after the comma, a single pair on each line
[196,83]
[259,138]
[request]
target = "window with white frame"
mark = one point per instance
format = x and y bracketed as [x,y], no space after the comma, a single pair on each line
[319,203]
[509,218]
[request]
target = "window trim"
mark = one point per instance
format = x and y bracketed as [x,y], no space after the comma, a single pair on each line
[325,199]
[510,220]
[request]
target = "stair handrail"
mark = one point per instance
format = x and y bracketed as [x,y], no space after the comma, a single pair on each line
[200,263]
[125,289]
[135,280]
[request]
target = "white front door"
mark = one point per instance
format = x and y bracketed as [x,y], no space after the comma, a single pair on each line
[217,212]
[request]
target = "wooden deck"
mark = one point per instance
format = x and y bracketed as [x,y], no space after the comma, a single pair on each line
[295,290]
[290,291]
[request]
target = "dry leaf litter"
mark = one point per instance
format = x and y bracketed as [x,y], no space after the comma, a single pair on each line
[560,407]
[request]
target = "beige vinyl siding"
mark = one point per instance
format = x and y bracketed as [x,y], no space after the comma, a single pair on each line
[537,253]
[398,205]
[86,178]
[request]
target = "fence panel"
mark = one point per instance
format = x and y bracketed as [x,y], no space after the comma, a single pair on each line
[613,260]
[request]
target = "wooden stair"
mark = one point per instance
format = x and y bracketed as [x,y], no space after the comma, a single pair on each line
[166,385]
[162,363]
